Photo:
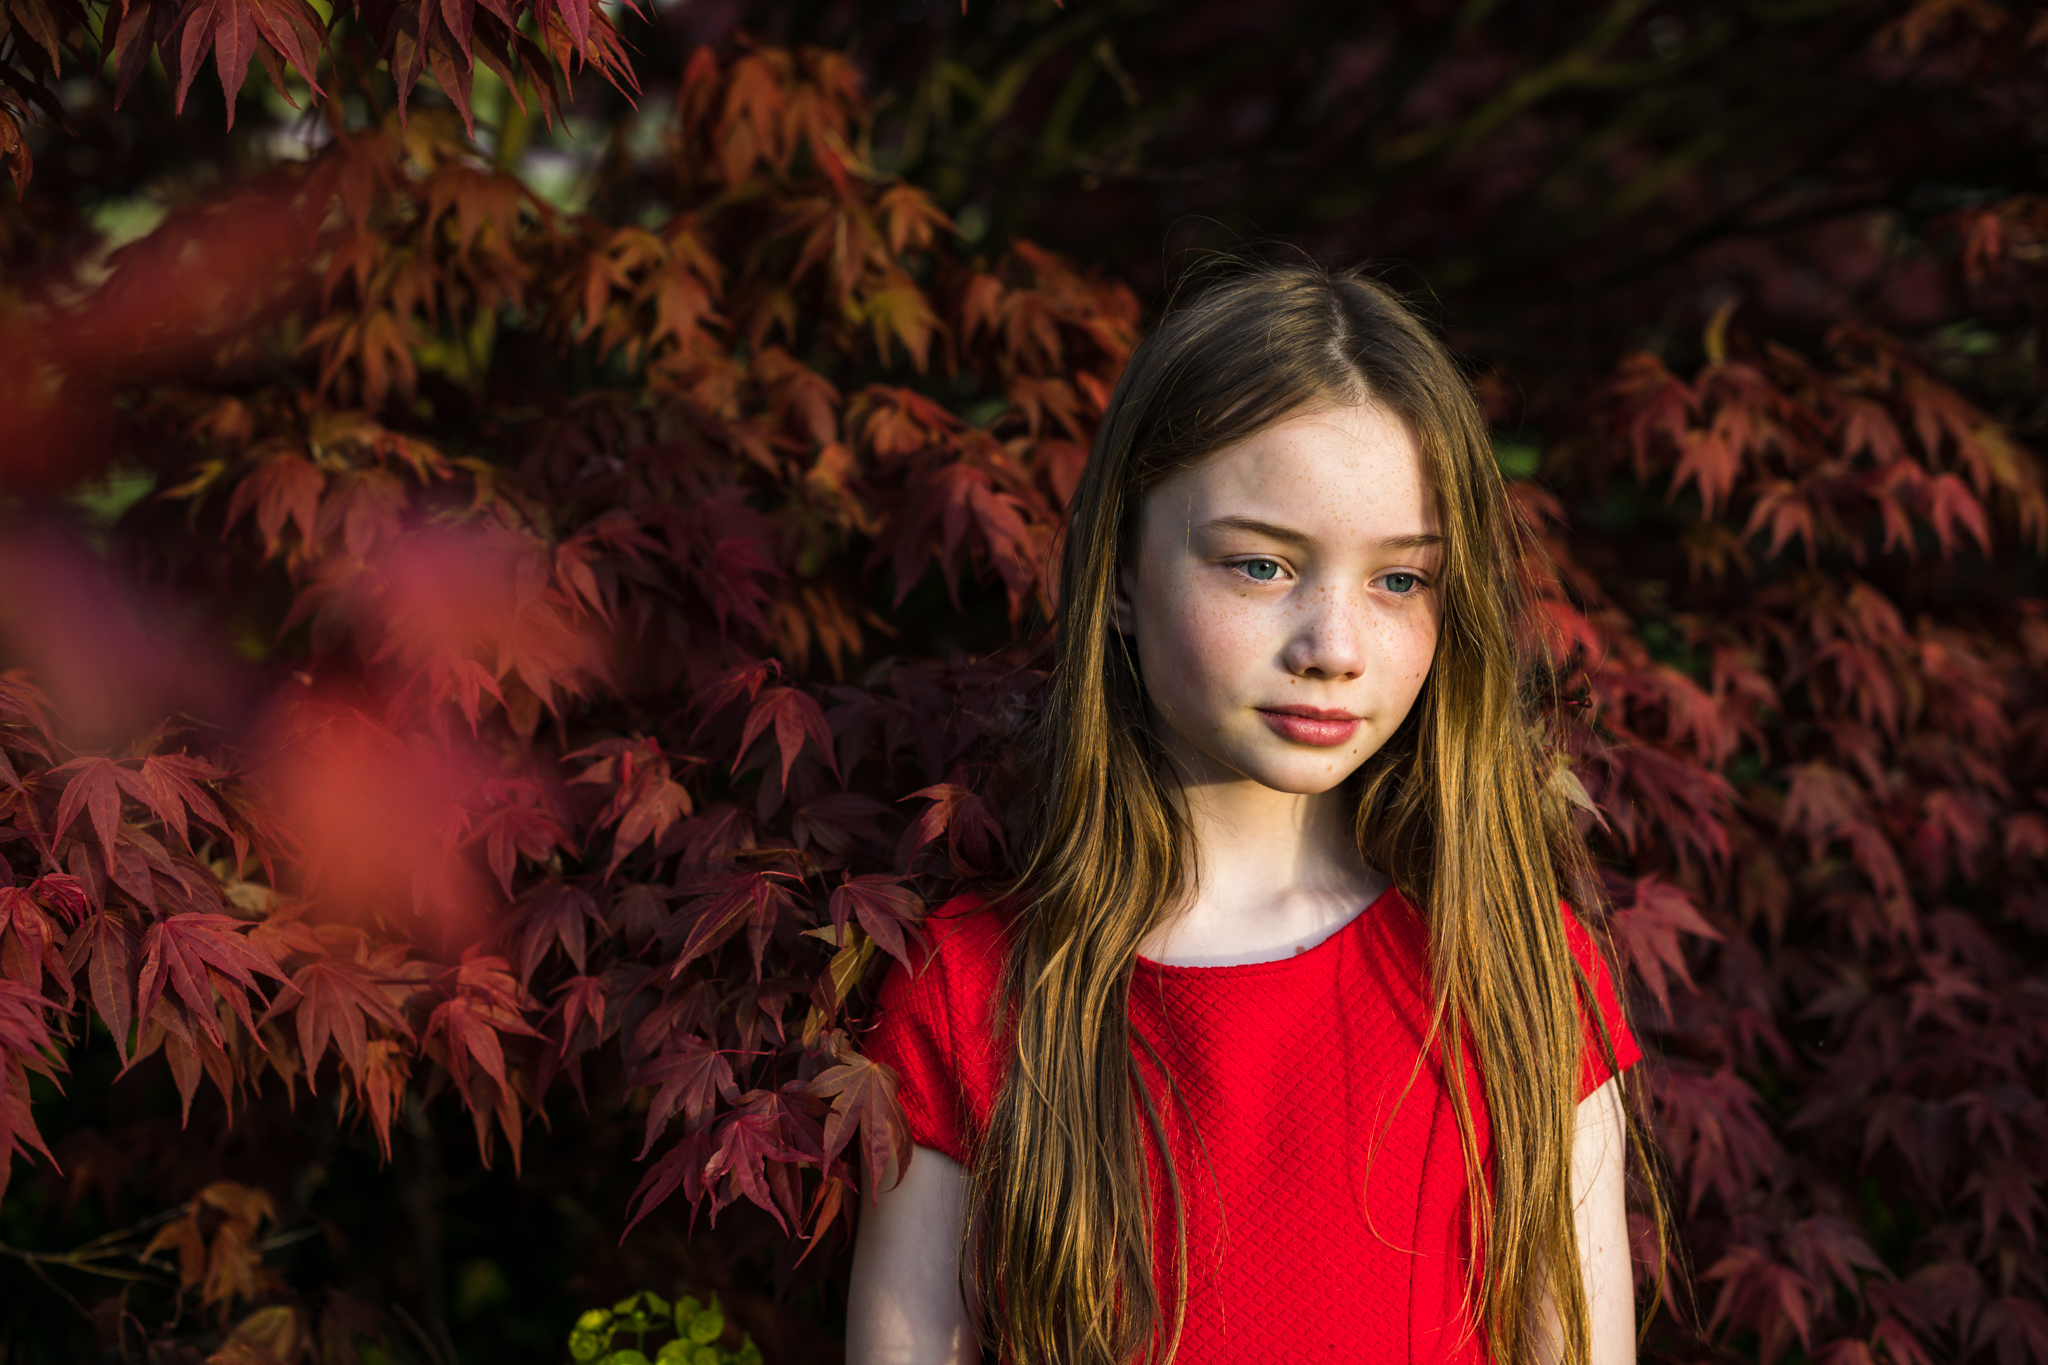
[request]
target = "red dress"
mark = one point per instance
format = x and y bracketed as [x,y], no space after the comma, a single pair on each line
[1293,1069]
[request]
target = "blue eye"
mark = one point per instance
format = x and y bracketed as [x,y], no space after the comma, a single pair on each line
[1402,583]
[1262,570]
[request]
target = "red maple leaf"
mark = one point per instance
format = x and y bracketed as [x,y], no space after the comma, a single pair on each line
[645,800]
[583,999]
[512,830]
[109,947]
[1828,1247]
[752,1135]
[196,955]
[863,1094]
[796,718]
[284,488]
[25,1046]
[28,941]
[680,1166]
[170,787]
[1648,930]
[657,803]
[381,1083]
[722,904]
[95,786]
[554,913]
[24,1034]
[687,1076]
[1950,504]
[885,907]
[1712,1126]
[237,30]
[1763,1294]
[834,820]
[963,816]
[335,998]
[2015,1327]
[486,1002]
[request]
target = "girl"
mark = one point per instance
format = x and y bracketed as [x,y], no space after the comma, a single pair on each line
[1181,1092]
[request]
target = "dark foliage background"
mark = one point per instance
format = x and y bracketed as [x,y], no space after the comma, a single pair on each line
[510,592]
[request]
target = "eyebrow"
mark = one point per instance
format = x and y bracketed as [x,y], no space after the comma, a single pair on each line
[1288,536]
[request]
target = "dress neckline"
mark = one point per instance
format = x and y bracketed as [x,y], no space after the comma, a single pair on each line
[1272,964]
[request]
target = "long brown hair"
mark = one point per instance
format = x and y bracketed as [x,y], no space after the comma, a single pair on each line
[1457,808]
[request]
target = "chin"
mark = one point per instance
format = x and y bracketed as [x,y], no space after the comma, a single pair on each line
[1307,784]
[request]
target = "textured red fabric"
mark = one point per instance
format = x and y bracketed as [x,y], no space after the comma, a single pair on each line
[1294,1069]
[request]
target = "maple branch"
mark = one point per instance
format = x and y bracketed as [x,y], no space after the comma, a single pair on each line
[88,1257]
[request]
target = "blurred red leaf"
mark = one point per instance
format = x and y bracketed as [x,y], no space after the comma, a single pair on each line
[1648,930]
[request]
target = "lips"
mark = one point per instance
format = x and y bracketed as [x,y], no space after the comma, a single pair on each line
[1311,725]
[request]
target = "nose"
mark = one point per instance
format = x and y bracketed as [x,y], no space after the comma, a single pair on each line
[1329,640]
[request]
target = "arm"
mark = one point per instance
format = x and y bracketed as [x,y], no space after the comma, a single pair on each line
[1598,1160]
[903,1304]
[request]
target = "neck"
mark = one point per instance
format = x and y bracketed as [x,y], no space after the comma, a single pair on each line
[1270,866]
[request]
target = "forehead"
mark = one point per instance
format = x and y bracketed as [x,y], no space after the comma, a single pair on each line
[1329,469]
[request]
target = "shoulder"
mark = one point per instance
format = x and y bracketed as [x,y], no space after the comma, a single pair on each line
[1401,921]
[1579,938]
[967,934]
[959,958]
[972,917]
[1609,1045]
[1612,1047]
[935,1025]
[1398,930]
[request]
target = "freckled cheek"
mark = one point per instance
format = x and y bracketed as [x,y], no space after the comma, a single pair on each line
[1401,650]
[1419,655]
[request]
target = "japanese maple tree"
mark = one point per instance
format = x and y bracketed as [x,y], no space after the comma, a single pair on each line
[528,663]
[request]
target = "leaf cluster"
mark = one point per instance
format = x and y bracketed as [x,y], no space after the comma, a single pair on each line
[698,1331]
[570,545]
[1808,753]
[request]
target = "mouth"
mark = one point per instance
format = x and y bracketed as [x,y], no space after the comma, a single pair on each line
[1322,729]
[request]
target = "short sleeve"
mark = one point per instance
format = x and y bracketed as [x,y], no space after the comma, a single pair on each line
[1594,1067]
[922,1031]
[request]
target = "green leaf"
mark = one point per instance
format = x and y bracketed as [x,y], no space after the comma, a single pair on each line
[706,1326]
[592,1334]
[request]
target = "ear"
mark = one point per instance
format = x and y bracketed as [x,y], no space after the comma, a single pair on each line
[1122,613]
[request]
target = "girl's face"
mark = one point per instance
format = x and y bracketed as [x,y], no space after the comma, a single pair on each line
[1283,599]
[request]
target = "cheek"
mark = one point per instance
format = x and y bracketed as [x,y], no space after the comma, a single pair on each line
[1412,648]
[1190,641]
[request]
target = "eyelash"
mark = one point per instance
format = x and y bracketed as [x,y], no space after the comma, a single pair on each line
[1243,565]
